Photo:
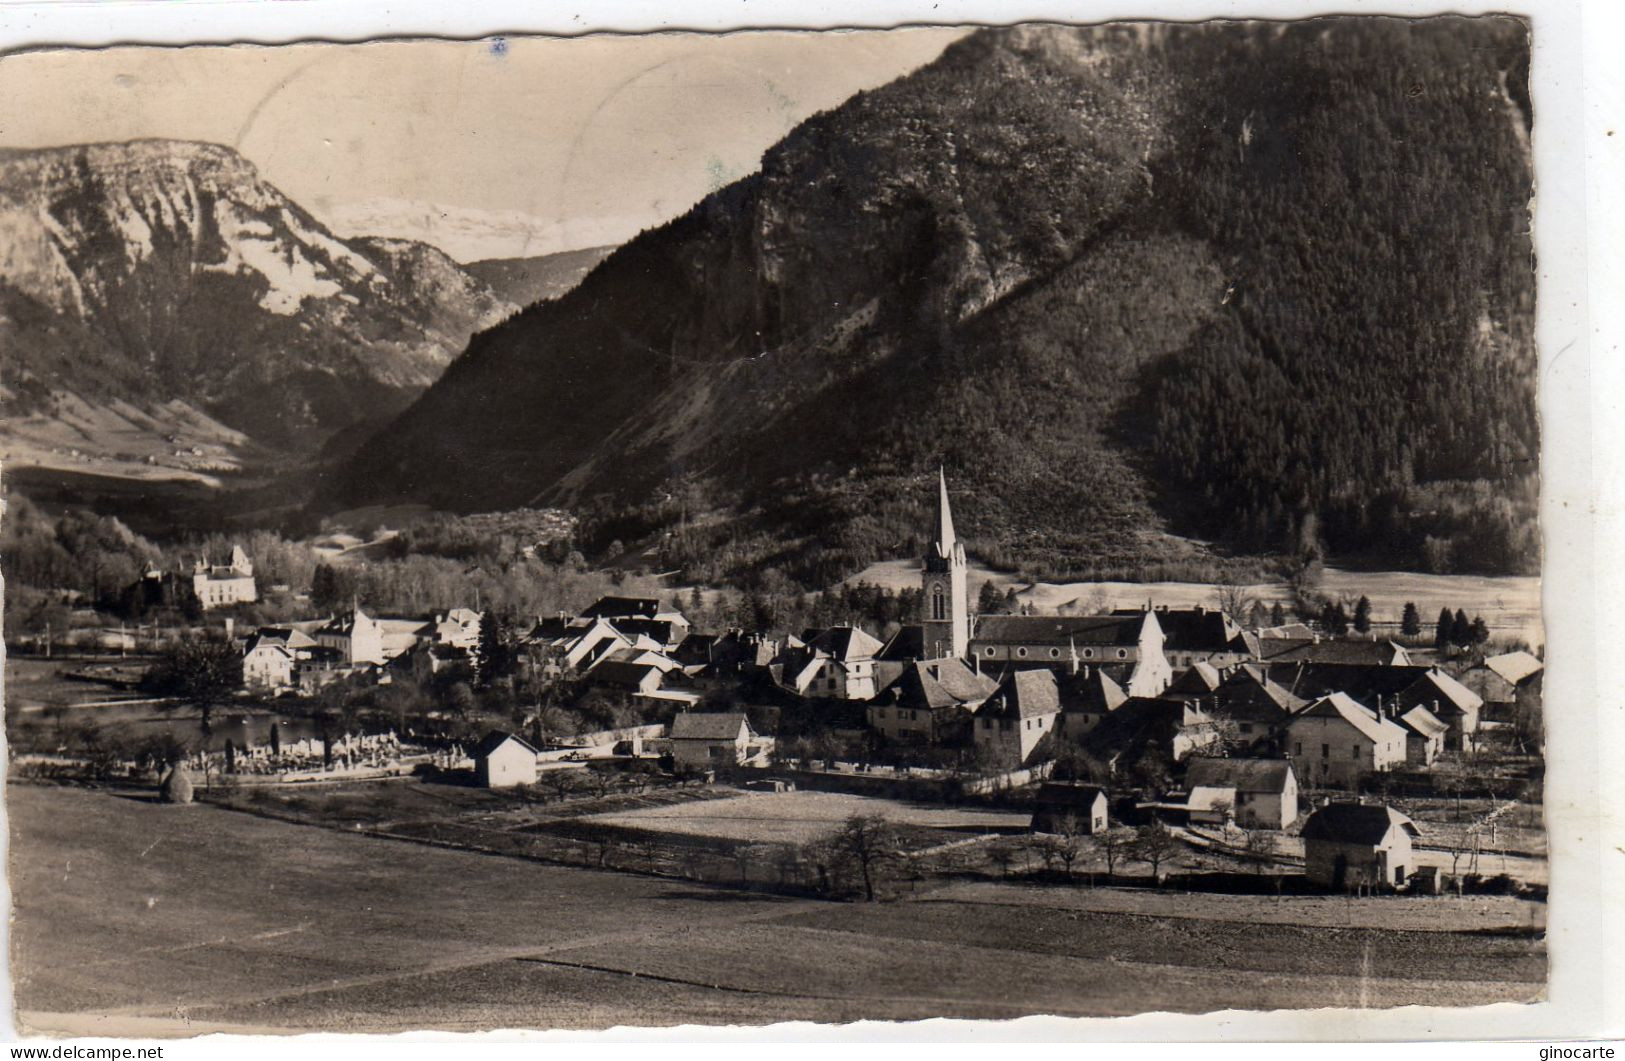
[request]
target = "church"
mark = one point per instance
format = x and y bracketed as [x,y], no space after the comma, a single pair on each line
[1127,646]
[944,628]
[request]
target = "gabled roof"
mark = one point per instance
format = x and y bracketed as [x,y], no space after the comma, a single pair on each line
[708,725]
[1025,694]
[1199,680]
[1356,823]
[1423,723]
[1123,630]
[936,684]
[1207,797]
[1248,695]
[845,643]
[657,629]
[1331,650]
[1294,631]
[623,673]
[1339,705]
[1058,794]
[1437,687]
[1093,692]
[908,643]
[623,608]
[1514,667]
[1243,775]
[496,739]
[1196,629]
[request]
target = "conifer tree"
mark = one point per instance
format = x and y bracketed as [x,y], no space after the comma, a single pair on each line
[1410,624]
[1362,616]
[1461,630]
[1444,634]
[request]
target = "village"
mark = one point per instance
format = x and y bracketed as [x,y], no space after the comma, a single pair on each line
[1198,747]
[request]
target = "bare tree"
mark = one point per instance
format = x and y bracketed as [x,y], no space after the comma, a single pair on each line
[868,842]
[1114,845]
[1258,847]
[602,778]
[561,780]
[1235,601]
[1070,831]
[1154,845]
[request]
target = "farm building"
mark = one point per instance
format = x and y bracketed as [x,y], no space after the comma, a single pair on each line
[929,702]
[1501,681]
[1087,698]
[705,739]
[1346,650]
[1347,845]
[1019,718]
[1265,790]
[1424,735]
[1337,742]
[1085,803]
[838,663]
[1200,635]
[503,760]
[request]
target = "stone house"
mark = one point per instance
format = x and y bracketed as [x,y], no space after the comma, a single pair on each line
[1339,743]
[1350,845]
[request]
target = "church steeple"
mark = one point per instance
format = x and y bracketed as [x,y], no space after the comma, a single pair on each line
[945,517]
[945,618]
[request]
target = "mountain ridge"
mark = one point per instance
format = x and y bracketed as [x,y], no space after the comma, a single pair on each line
[153,270]
[1266,284]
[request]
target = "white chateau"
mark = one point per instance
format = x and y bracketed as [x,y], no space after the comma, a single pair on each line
[220,585]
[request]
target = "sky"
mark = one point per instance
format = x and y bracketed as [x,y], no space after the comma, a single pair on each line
[493,148]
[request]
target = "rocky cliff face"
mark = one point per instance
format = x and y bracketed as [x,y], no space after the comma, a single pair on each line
[161,270]
[1226,279]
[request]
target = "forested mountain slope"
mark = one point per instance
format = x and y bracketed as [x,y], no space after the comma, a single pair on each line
[1256,283]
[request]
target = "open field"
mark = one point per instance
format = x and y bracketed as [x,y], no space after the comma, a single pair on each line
[797,817]
[126,909]
[1510,604]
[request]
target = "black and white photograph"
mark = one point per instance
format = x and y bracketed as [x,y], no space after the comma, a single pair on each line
[723,529]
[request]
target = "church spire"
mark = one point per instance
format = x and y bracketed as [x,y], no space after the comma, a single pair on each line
[945,516]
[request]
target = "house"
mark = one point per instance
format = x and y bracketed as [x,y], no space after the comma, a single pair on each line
[728,654]
[929,702]
[1350,845]
[838,663]
[1264,791]
[627,676]
[426,659]
[1018,722]
[221,585]
[1087,697]
[1380,687]
[1424,735]
[641,615]
[456,628]
[361,638]
[1145,727]
[1131,643]
[269,657]
[702,740]
[502,760]
[1200,635]
[1210,805]
[1257,707]
[1085,804]
[1503,682]
[1337,742]
[318,666]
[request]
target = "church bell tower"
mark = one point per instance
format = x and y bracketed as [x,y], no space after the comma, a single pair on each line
[945,612]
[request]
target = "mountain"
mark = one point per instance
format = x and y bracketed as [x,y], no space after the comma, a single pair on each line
[523,281]
[139,275]
[1269,285]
